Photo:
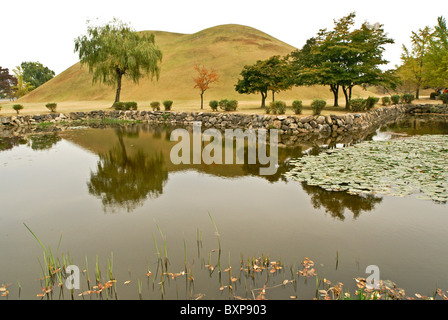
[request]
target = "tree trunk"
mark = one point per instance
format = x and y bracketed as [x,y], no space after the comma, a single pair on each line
[202,100]
[335,90]
[263,99]
[119,76]
[347,100]
[417,93]
[273,95]
[348,95]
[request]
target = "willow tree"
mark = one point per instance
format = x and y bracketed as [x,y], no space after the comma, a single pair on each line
[115,50]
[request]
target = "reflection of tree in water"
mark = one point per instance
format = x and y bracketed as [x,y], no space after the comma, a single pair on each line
[44,141]
[413,125]
[335,203]
[284,154]
[125,181]
[7,143]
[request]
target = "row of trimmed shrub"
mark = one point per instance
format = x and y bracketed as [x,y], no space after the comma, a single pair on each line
[395,99]
[132,105]
[279,107]
[224,104]
[18,107]
[167,104]
[125,105]
[360,104]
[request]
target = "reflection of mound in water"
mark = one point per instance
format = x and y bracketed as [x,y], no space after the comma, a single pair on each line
[44,141]
[335,203]
[125,181]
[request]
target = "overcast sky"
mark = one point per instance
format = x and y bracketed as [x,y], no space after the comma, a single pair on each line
[44,30]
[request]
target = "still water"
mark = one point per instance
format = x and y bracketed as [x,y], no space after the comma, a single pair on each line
[112,196]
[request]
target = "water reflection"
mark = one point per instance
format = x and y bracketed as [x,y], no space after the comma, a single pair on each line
[418,125]
[124,180]
[336,203]
[7,143]
[134,164]
[44,141]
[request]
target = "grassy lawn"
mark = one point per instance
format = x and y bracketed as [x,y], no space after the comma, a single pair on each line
[247,107]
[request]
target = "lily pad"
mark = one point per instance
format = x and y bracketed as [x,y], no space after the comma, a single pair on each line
[415,165]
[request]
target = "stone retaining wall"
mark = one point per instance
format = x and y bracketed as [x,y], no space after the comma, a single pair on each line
[286,124]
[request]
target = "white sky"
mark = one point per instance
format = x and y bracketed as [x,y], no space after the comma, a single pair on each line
[44,30]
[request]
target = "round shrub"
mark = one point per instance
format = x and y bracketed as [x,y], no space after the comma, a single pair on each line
[213,105]
[167,104]
[395,99]
[228,105]
[277,107]
[385,101]
[17,107]
[318,105]
[357,105]
[155,105]
[51,106]
[297,106]
[407,98]
[370,102]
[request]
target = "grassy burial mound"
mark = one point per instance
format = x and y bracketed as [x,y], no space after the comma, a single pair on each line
[225,48]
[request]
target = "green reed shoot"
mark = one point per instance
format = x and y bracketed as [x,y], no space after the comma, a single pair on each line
[164,246]
[219,242]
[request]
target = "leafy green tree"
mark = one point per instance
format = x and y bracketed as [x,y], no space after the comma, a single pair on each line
[412,69]
[115,50]
[436,58]
[273,74]
[317,63]
[36,74]
[22,87]
[363,64]
[343,57]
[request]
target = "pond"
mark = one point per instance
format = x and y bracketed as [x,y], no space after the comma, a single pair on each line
[110,199]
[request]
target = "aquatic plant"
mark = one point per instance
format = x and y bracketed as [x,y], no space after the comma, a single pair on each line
[415,165]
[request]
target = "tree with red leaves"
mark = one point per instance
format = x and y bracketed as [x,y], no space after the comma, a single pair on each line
[7,82]
[204,79]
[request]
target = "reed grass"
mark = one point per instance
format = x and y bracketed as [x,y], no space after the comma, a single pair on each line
[256,278]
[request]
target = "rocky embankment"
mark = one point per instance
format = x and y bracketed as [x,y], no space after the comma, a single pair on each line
[286,124]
